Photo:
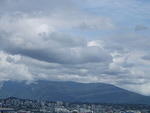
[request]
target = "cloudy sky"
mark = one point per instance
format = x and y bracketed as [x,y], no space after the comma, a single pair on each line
[76,40]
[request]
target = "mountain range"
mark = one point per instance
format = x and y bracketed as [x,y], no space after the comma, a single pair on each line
[72,92]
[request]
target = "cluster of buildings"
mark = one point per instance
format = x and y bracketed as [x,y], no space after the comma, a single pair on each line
[15,105]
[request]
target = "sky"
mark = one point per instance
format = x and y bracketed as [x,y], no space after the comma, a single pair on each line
[86,41]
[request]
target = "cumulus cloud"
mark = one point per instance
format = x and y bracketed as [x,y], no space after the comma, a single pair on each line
[47,53]
[39,38]
[11,69]
[77,40]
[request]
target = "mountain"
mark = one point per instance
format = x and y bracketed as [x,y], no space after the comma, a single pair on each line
[72,92]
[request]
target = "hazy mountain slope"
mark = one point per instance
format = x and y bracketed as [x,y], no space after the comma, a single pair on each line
[72,92]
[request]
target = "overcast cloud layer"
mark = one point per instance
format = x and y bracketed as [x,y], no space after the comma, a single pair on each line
[76,40]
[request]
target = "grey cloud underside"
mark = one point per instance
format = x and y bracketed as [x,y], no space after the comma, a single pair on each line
[58,49]
[66,56]
[84,41]
[146,57]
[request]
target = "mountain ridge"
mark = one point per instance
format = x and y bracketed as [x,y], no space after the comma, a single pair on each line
[72,92]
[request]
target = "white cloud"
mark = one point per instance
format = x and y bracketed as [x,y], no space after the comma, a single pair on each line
[11,69]
[42,40]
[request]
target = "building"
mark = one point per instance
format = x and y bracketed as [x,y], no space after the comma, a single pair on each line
[7,110]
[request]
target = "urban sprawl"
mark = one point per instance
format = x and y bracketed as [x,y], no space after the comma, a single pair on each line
[15,105]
